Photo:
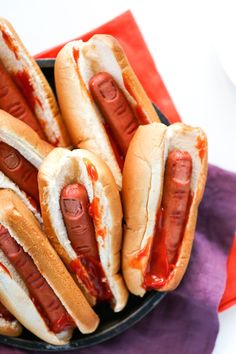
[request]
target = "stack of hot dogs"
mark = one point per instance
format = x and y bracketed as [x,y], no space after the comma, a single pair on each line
[66,185]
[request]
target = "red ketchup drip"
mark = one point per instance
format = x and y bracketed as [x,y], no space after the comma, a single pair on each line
[64,323]
[76,55]
[137,260]
[22,79]
[56,142]
[91,169]
[94,208]
[201,146]
[5,314]
[10,43]
[5,269]
[34,204]
[95,212]
[158,271]
[142,118]
[141,115]
[90,271]
[158,268]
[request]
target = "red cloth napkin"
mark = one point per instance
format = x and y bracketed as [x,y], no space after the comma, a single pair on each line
[125,29]
[229,296]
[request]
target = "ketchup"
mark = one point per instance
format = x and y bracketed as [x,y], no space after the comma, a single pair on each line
[91,169]
[22,79]
[158,271]
[76,54]
[33,203]
[158,268]
[136,261]
[4,313]
[95,207]
[201,146]
[5,269]
[64,323]
[141,115]
[90,272]
[95,212]
[10,43]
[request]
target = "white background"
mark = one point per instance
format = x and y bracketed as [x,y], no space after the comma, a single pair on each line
[194,46]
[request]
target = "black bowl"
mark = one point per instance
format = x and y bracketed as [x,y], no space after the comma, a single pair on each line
[112,324]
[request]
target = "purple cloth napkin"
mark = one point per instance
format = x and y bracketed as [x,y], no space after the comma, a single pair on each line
[186,321]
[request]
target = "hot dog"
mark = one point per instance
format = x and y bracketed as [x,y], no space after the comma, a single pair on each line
[25,92]
[160,215]
[9,326]
[30,286]
[82,215]
[21,153]
[101,99]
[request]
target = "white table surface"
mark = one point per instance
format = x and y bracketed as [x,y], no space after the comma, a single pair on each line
[193,44]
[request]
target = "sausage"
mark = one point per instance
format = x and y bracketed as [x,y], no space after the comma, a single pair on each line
[13,102]
[176,192]
[74,204]
[19,170]
[36,284]
[115,108]
[79,224]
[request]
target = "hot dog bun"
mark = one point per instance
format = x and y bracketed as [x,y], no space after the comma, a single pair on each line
[142,194]
[62,167]
[24,71]
[10,328]
[21,137]
[25,230]
[75,64]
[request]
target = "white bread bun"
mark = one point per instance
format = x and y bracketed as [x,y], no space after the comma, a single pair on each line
[10,328]
[143,177]
[25,140]
[14,295]
[16,59]
[75,64]
[62,167]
